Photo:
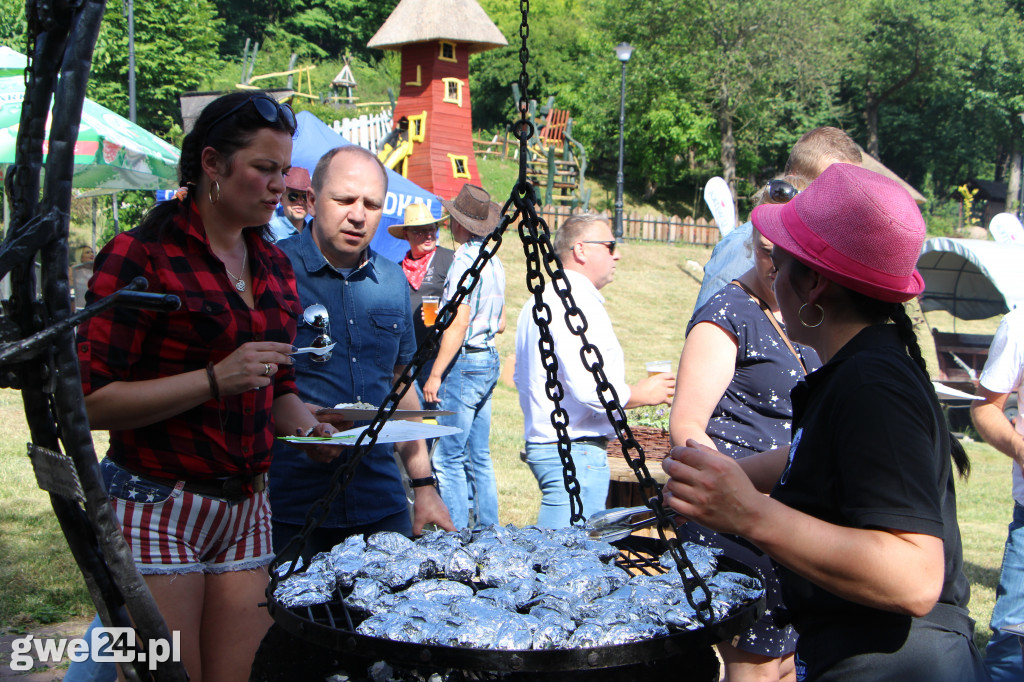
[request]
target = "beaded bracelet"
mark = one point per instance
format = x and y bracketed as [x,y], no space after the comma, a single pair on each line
[214,389]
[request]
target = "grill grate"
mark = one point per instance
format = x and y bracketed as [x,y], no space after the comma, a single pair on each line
[333,627]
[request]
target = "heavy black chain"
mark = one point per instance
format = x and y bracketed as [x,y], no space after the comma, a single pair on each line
[536,239]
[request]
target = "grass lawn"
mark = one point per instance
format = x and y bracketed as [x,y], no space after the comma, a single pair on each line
[649,303]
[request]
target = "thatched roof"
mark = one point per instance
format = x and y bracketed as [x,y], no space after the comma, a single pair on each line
[418,21]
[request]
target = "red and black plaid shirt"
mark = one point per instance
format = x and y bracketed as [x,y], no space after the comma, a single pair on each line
[216,439]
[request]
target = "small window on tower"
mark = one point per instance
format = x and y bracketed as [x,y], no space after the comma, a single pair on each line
[452,90]
[418,127]
[460,166]
[448,51]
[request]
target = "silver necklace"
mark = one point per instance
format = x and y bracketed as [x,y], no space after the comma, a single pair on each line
[239,282]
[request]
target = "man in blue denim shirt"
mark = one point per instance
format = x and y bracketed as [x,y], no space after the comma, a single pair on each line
[371,323]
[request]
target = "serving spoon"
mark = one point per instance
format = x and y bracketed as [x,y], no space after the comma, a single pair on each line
[314,350]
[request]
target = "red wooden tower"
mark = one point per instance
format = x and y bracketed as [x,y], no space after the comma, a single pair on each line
[436,38]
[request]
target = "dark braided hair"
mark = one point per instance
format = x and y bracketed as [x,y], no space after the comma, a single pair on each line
[879,312]
[227,137]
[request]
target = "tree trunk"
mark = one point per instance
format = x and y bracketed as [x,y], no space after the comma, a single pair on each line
[871,119]
[1013,187]
[725,125]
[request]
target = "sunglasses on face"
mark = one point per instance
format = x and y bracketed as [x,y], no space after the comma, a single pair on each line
[269,108]
[610,243]
[423,234]
[780,191]
[296,196]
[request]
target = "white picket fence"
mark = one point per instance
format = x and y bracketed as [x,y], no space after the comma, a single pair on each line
[366,131]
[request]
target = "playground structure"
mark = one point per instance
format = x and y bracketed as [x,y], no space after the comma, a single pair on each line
[556,163]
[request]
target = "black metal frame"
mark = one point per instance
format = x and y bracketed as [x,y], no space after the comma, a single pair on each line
[37,343]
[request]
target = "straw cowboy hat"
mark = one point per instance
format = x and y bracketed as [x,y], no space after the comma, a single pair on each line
[474,210]
[416,215]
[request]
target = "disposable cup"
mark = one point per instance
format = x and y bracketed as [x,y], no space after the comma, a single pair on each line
[430,310]
[658,367]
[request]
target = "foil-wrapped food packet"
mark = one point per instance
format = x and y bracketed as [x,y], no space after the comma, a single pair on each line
[508,588]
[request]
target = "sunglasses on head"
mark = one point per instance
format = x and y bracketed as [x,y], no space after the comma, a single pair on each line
[296,196]
[266,106]
[610,243]
[780,191]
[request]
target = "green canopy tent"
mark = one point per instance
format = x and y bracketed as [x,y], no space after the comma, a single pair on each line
[111,153]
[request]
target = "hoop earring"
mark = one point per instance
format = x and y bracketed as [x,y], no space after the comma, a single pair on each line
[214,186]
[800,316]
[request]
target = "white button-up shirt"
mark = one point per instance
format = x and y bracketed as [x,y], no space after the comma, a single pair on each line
[587,417]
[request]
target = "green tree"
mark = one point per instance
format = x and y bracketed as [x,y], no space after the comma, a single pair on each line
[938,87]
[175,49]
[12,24]
[753,65]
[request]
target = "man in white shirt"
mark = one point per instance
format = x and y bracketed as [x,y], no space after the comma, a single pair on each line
[586,248]
[1002,376]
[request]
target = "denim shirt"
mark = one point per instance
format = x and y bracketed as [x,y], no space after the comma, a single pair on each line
[371,323]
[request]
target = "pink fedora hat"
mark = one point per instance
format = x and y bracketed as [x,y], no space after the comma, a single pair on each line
[856,227]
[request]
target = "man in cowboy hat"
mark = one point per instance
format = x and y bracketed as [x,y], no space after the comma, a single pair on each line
[425,265]
[466,369]
[291,215]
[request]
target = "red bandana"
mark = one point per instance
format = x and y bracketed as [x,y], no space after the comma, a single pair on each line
[416,268]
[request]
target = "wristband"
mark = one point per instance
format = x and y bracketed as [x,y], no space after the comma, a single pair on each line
[422,482]
[212,378]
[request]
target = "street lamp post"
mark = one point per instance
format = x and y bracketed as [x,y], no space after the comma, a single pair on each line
[622,52]
[129,13]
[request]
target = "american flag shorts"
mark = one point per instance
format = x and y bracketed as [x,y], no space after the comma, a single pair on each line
[171,530]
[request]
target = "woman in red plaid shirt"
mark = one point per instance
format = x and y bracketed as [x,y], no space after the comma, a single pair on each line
[193,398]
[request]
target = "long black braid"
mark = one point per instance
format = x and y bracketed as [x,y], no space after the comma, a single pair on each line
[905,327]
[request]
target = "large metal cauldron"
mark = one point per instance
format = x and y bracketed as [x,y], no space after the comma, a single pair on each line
[328,631]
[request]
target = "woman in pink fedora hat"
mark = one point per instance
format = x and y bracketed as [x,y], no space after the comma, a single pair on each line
[861,519]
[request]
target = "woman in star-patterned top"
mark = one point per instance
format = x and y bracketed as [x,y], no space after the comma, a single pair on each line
[732,393]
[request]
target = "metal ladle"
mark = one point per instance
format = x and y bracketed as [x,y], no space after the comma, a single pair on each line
[611,525]
[317,317]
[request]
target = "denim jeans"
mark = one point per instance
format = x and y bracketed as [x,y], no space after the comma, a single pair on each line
[462,461]
[591,471]
[325,539]
[91,670]
[1003,654]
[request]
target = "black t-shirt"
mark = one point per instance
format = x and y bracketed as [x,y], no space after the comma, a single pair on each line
[870,450]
